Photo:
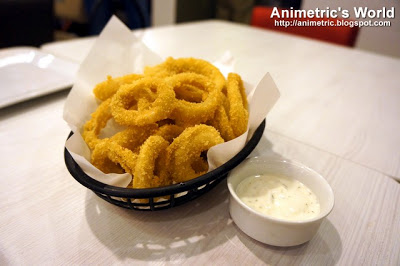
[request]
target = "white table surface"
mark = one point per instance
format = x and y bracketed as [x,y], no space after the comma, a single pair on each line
[49,218]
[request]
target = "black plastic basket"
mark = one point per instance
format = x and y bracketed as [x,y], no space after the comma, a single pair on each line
[174,195]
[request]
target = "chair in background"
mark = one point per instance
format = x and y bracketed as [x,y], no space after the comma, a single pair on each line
[342,35]
[134,13]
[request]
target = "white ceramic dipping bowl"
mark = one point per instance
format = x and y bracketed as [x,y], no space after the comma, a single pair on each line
[270,230]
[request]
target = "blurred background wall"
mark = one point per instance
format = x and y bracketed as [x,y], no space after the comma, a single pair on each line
[34,22]
[382,40]
[27,22]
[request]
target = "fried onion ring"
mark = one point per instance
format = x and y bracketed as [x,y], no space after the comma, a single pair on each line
[231,118]
[169,132]
[108,88]
[98,121]
[110,157]
[161,99]
[193,112]
[190,93]
[120,151]
[187,149]
[134,136]
[238,114]
[222,124]
[145,175]
[173,66]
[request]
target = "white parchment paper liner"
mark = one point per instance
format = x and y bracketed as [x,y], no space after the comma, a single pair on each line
[118,52]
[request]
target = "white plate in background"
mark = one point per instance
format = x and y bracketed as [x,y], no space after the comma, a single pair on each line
[27,72]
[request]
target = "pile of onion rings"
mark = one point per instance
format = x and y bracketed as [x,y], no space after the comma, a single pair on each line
[169,116]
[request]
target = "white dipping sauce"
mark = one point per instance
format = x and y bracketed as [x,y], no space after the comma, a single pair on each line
[279,197]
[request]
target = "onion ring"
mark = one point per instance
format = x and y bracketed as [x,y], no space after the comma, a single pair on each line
[149,88]
[145,175]
[169,132]
[108,88]
[238,114]
[121,150]
[187,148]
[173,66]
[192,112]
[190,93]
[222,124]
[200,165]
[110,157]
[98,121]
[134,136]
